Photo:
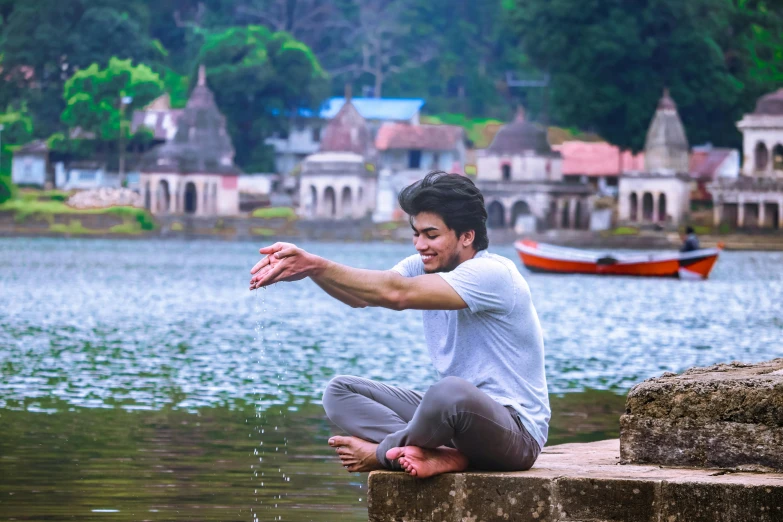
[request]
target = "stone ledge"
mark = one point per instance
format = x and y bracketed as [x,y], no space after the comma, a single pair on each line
[721,416]
[579,483]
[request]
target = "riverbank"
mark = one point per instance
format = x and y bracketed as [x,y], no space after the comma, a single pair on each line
[55,220]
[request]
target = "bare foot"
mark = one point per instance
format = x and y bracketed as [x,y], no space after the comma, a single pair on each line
[424,462]
[356,454]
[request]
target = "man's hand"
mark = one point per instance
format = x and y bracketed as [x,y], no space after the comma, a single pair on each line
[283,262]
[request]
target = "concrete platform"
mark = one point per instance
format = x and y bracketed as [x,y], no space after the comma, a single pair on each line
[580,483]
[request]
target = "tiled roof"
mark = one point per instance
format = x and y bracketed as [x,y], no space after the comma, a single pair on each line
[423,137]
[162,123]
[384,109]
[34,147]
[597,159]
[705,163]
[347,132]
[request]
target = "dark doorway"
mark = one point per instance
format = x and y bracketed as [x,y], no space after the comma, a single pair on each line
[495,218]
[191,198]
[662,208]
[520,208]
[647,207]
[414,159]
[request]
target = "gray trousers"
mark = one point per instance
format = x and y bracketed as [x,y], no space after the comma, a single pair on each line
[452,413]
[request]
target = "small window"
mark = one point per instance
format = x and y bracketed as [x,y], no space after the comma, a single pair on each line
[506,172]
[317,134]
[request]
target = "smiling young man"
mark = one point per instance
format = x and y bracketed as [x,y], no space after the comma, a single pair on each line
[490,410]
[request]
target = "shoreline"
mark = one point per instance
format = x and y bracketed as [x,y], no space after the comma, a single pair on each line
[364,234]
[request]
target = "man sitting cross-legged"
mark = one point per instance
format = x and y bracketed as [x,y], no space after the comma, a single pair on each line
[490,410]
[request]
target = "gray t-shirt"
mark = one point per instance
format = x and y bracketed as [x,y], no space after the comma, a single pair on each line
[496,342]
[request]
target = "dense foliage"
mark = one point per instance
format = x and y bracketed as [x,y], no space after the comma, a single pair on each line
[258,78]
[606,61]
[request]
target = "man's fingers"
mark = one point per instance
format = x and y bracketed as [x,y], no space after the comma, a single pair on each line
[259,265]
[271,249]
[261,272]
[271,276]
[286,252]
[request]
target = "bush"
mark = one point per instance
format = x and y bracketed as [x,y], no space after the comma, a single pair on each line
[6,189]
[625,231]
[29,206]
[275,212]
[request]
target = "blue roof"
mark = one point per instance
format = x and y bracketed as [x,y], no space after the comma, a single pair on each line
[389,109]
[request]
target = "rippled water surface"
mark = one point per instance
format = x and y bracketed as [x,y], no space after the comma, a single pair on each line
[137,376]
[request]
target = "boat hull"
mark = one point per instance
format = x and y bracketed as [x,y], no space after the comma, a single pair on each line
[556,260]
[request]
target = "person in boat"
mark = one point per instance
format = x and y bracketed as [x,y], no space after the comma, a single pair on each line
[490,408]
[690,241]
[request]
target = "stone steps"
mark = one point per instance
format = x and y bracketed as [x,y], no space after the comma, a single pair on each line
[580,483]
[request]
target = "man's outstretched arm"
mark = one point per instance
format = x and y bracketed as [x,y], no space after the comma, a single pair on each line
[286,262]
[344,297]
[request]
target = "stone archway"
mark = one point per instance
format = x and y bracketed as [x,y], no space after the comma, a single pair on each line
[496,215]
[346,205]
[191,198]
[164,197]
[777,157]
[330,203]
[312,204]
[647,207]
[565,215]
[578,214]
[519,209]
[662,208]
[761,157]
[147,196]
[634,215]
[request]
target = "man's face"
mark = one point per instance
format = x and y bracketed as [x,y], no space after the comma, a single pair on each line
[440,248]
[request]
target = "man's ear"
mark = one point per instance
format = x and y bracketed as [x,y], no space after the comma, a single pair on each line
[467,238]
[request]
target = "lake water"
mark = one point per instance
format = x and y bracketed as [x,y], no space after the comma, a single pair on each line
[142,381]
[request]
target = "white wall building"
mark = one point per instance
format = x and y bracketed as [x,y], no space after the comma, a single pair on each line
[660,193]
[340,181]
[522,182]
[194,172]
[755,199]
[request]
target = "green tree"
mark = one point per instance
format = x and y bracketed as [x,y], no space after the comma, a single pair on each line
[17,126]
[44,42]
[610,60]
[94,96]
[260,79]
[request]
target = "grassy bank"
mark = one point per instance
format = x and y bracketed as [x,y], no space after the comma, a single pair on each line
[49,207]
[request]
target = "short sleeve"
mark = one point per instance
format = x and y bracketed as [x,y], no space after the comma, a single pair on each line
[411,266]
[484,284]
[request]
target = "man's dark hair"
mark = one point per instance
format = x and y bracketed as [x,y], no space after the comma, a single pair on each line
[689,230]
[454,198]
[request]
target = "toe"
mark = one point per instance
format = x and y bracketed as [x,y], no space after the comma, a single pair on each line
[339,441]
[394,453]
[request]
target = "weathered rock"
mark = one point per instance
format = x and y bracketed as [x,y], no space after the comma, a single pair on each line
[105,197]
[722,416]
[578,483]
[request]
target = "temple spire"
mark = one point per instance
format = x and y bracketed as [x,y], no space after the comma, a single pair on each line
[202,75]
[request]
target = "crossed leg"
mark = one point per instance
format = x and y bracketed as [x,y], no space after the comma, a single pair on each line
[408,431]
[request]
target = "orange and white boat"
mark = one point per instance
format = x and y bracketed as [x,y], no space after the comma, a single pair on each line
[541,257]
